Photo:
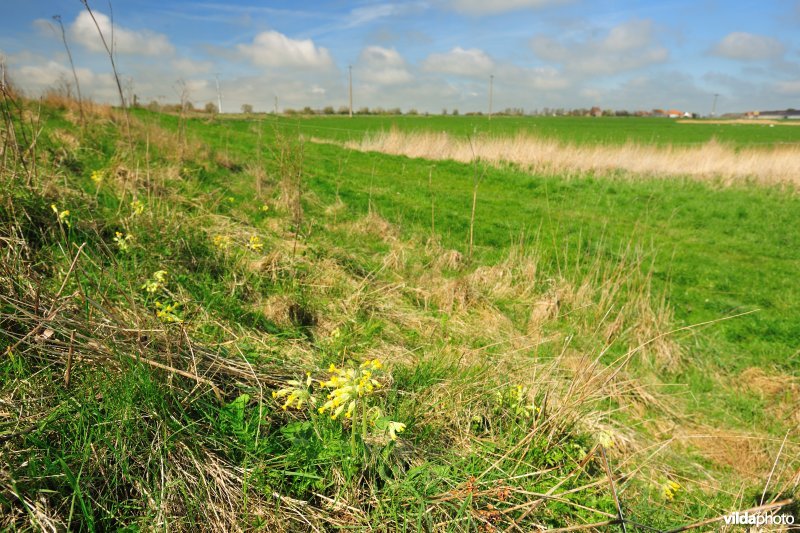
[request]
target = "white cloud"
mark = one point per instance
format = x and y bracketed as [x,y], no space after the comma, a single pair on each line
[460,61]
[484,7]
[36,74]
[366,14]
[383,66]
[274,49]
[45,75]
[545,79]
[628,46]
[125,41]
[748,47]
[187,67]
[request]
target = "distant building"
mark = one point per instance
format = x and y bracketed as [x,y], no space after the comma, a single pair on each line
[775,115]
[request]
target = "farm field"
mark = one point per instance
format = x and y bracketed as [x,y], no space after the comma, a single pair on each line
[532,335]
[578,130]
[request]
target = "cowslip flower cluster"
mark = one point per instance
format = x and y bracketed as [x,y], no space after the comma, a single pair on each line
[606,439]
[349,390]
[348,386]
[515,399]
[669,490]
[154,284]
[63,216]
[223,242]
[168,312]
[123,241]
[255,243]
[137,208]
[394,428]
[297,393]
[97,177]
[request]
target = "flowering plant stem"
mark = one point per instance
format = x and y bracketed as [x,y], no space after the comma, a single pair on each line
[353,434]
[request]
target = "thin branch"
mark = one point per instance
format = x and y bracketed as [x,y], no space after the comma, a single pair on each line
[57,18]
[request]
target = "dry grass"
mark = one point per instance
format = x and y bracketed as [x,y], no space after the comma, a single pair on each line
[779,165]
[749,122]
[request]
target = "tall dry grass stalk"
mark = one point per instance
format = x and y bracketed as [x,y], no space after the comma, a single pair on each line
[777,165]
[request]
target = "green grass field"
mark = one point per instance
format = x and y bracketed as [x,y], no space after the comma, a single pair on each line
[578,130]
[649,321]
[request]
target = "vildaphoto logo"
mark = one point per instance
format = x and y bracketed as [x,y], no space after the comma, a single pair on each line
[759,519]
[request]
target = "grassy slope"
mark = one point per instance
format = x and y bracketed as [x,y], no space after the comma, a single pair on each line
[714,252]
[718,251]
[126,445]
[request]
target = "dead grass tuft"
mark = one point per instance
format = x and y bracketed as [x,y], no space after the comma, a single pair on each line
[746,455]
[758,381]
[375,225]
[441,258]
[778,165]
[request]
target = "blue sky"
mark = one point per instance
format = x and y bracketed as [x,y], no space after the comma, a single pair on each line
[425,54]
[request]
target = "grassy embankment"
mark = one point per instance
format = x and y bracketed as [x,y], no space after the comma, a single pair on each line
[139,400]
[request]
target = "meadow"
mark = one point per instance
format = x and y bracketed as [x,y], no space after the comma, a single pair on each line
[266,323]
[577,130]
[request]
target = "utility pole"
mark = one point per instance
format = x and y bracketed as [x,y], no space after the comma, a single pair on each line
[276,104]
[219,95]
[491,89]
[350,70]
[714,106]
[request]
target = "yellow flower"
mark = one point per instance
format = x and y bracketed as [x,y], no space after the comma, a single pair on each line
[669,490]
[394,428]
[606,439]
[123,241]
[515,399]
[97,177]
[374,364]
[297,393]
[156,283]
[264,208]
[63,216]
[167,313]
[223,242]
[349,386]
[255,243]
[335,334]
[137,208]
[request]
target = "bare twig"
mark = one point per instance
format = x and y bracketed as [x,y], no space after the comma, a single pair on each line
[775,464]
[607,468]
[582,527]
[57,18]
[68,370]
[110,52]
[185,374]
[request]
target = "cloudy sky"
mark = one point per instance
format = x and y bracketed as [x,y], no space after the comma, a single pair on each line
[426,54]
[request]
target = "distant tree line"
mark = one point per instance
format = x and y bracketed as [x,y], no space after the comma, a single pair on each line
[211,108]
